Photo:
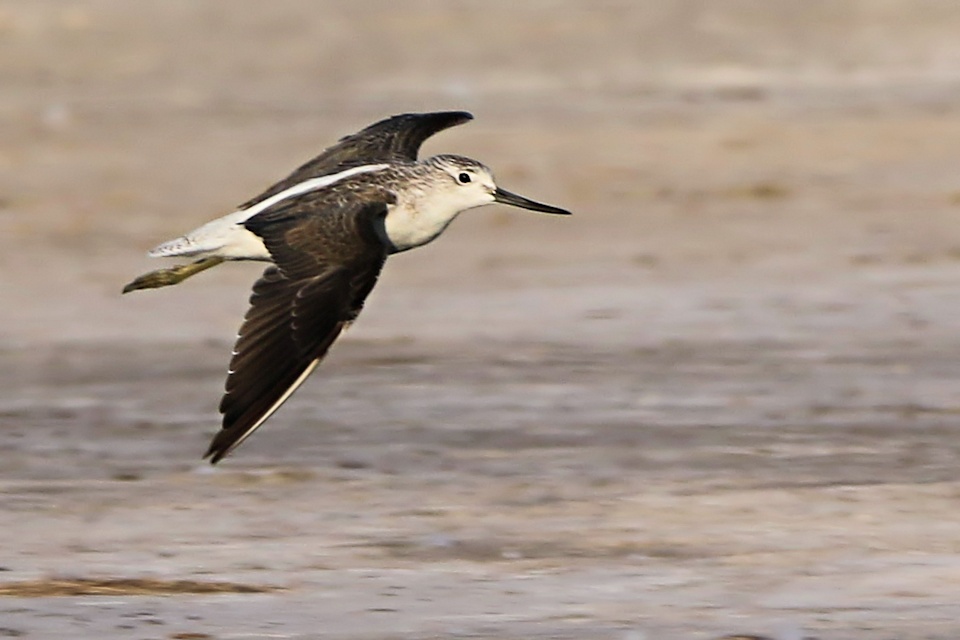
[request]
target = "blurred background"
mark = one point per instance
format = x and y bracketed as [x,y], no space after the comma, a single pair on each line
[727,383]
[684,133]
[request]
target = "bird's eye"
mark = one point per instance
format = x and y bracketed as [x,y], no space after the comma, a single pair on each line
[464,178]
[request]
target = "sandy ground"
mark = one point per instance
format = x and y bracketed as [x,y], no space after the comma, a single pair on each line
[722,398]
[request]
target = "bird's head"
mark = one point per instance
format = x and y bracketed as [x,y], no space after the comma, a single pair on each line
[468,184]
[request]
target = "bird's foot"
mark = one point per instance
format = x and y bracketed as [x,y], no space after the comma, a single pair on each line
[172,275]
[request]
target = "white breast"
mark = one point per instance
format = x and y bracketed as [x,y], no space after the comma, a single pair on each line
[409,224]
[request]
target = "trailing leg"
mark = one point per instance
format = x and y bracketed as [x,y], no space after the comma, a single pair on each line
[173,275]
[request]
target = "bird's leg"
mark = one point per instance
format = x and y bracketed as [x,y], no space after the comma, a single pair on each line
[173,275]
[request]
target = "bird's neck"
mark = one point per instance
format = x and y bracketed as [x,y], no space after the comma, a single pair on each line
[416,219]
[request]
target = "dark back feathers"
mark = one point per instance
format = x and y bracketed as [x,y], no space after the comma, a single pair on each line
[395,139]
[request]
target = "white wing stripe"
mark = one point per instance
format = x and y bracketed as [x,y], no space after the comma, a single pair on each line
[276,405]
[227,237]
[308,185]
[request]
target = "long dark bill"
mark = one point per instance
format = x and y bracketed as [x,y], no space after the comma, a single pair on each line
[505,197]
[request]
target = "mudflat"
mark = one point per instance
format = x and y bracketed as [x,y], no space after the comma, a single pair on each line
[721,398]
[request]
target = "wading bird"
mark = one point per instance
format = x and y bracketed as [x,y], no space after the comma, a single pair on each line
[327,229]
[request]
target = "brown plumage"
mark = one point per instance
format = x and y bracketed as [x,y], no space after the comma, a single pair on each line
[395,139]
[297,309]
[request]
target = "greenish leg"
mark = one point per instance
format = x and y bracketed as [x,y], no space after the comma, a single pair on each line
[173,275]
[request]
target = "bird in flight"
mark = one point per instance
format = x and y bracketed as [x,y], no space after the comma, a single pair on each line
[327,229]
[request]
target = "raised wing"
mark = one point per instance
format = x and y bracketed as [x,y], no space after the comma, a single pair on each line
[396,138]
[297,310]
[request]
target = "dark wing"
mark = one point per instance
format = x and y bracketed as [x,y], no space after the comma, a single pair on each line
[297,310]
[396,138]
[390,140]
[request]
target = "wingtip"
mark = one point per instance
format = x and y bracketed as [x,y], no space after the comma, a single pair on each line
[436,121]
[213,457]
[457,117]
[217,451]
[452,115]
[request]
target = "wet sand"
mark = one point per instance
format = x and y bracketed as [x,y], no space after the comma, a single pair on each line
[722,398]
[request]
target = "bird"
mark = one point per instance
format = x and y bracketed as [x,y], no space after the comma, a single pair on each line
[326,230]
